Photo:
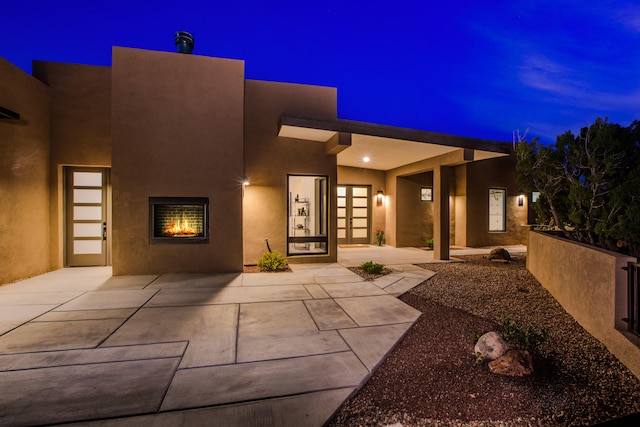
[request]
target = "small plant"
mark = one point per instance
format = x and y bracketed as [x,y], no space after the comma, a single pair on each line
[475,337]
[523,337]
[371,267]
[273,261]
[380,236]
[480,360]
[429,243]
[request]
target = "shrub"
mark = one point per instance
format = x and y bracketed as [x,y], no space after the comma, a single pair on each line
[371,267]
[272,261]
[523,337]
[429,243]
[589,184]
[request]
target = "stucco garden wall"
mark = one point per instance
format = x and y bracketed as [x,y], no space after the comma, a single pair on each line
[24,176]
[591,285]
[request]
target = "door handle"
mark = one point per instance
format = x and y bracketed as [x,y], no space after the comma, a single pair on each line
[104,231]
[350,222]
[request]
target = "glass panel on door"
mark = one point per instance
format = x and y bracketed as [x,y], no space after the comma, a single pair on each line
[354,214]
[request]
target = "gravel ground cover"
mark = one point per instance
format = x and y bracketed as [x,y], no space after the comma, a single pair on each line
[431,378]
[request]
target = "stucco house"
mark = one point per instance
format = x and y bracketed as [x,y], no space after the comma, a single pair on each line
[170,162]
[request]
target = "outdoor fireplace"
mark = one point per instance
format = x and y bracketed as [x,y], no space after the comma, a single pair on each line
[178,220]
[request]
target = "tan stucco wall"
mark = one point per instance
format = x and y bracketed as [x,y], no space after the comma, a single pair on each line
[481,176]
[376,179]
[269,158]
[401,202]
[24,176]
[414,218]
[408,220]
[80,130]
[177,129]
[590,284]
[460,205]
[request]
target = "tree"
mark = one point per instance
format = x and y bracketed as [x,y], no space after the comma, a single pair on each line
[589,183]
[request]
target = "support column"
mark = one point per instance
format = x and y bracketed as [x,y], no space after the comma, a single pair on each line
[441,223]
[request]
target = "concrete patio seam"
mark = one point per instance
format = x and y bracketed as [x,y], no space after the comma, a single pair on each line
[127,319]
[244,402]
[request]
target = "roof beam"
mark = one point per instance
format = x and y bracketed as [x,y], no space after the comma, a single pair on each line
[341,143]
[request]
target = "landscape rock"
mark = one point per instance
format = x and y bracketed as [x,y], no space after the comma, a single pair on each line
[499,254]
[491,346]
[514,363]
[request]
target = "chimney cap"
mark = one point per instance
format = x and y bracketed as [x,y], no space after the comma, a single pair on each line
[184,41]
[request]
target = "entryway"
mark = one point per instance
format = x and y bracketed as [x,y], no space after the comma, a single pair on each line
[86,213]
[354,214]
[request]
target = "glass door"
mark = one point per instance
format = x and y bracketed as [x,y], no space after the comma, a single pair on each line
[86,216]
[354,214]
[308,209]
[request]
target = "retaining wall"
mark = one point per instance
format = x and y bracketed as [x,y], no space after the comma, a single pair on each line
[591,286]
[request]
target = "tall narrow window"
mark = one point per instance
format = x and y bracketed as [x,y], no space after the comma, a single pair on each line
[497,209]
[308,212]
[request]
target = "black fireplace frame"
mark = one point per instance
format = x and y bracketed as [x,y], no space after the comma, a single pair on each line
[169,240]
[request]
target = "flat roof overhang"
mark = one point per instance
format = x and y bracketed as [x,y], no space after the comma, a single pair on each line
[8,114]
[387,147]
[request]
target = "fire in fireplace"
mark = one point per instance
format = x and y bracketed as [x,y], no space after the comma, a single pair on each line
[178,220]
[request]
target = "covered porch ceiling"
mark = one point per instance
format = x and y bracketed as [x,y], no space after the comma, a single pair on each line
[386,147]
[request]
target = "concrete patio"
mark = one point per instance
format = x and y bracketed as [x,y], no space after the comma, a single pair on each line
[262,349]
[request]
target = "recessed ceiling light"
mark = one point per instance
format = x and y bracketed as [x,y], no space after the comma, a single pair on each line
[366,159]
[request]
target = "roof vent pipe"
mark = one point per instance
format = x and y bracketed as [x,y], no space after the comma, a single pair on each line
[184,42]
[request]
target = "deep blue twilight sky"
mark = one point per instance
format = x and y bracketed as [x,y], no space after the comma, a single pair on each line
[474,68]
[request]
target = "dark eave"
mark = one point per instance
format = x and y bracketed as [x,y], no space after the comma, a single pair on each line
[5,113]
[394,132]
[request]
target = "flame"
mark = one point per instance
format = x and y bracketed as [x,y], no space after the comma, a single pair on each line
[180,227]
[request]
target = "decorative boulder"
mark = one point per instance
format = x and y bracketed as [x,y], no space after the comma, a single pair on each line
[514,363]
[500,255]
[491,346]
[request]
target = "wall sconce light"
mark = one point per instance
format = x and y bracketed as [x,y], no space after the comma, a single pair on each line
[521,200]
[245,183]
[379,197]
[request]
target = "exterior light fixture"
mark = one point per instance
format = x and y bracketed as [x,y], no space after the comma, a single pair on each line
[521,200]
[366,159]
[245,183]
[379,197]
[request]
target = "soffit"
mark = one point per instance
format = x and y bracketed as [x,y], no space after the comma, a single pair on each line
[309,134]
[388,153]
[387,147]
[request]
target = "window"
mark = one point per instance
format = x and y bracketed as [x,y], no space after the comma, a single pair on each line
[497,209]
[535,196]
[307,215]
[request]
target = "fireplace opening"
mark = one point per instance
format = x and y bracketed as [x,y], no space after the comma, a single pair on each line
[177,220]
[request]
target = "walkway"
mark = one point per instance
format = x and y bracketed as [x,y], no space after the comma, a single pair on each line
[257,349]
